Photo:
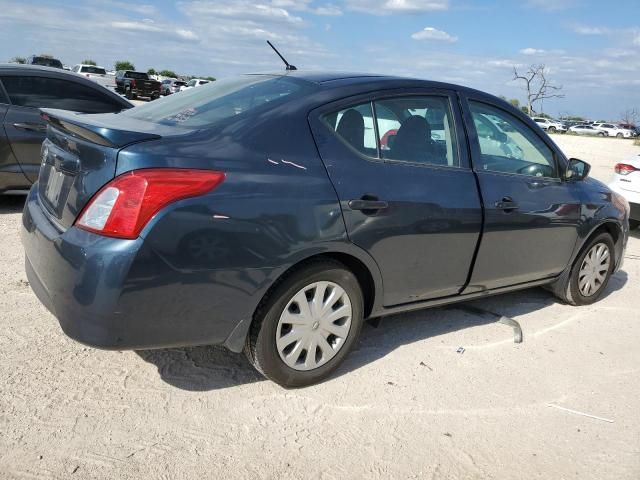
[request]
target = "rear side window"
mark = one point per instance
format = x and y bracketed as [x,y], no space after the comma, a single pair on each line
[43,92]
[354,126]
[417,129]
[137,75]
[222,100]
[94,70]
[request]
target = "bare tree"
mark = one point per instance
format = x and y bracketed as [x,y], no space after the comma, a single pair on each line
[537,86]
[629,116]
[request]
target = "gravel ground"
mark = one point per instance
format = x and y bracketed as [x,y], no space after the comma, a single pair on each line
[405,404]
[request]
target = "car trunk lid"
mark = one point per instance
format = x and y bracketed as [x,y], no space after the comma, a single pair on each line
[79,156]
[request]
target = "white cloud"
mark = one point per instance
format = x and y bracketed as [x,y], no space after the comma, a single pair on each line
[532,51]
[397,6]
[551,6]
[136,26]
[328,10]
[589,30]
[433,34]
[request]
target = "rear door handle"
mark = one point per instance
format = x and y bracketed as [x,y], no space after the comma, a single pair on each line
[31,126]
[365,204]
[506,204]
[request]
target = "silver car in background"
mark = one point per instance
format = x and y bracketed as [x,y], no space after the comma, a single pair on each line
[586,130]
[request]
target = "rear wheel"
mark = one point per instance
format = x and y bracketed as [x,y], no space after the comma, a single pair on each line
[589,274]
[601,134]
[127,93]
[620,135]
[552,129]
[306,327]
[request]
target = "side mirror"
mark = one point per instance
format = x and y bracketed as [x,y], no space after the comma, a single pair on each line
[577,169]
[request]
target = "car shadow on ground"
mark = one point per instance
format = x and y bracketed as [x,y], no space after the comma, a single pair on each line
[12,203]
[213,368]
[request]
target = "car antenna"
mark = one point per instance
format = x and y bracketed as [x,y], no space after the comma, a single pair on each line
[289,66]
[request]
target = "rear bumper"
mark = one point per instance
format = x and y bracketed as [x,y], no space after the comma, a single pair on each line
[632,197]
[118,294]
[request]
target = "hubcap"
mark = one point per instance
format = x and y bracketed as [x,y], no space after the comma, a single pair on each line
[594,269]
[314,326]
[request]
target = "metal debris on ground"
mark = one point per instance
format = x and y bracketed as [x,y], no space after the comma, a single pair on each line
[579,413]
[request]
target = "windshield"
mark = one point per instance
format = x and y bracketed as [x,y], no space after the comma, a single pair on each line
[221,100]
[47,62]
[95,70]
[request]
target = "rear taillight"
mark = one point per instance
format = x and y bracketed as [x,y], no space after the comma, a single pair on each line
[125,205]
[625,169]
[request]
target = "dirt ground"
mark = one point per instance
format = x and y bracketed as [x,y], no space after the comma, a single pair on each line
[405,405]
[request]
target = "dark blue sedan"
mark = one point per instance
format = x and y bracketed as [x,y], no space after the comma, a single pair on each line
[274,213]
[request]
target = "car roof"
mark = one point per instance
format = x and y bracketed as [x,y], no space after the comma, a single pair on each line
[373,81]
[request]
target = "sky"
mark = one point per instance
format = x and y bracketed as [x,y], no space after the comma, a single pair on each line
[591,48]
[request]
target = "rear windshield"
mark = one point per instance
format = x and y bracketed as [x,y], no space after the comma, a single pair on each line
[137,75]
[221,100]
[47,62]
[95,70]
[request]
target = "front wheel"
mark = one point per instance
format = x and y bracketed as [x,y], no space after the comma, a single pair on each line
[590,273]
[620,135]
[601,134]
[303,330]
[552,129]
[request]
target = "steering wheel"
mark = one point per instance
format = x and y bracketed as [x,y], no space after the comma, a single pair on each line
[535,170]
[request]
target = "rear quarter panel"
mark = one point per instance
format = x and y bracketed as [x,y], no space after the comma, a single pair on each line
[218,254]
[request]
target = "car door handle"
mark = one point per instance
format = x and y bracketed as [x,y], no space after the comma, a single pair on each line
[31,126]
[506,204]
[368,204]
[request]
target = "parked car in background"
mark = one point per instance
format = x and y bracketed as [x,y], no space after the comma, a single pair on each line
[194,82]
[155,236]
[28,89]
[171,85]
[628,126]
[626,181]
[137,84]
[44,61]
[611,130]
[97,74]
[550,125]
[586,130]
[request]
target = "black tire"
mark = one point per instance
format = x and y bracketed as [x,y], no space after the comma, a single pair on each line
[620,135]
[128,94]
[566,288]
[633,224]
[601,134]
[260,347]
[552,129]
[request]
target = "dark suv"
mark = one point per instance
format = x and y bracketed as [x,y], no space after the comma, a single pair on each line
[137,84]
[264,213]
[24,89]
[44,61]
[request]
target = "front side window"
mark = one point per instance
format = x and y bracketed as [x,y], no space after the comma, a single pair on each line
[354,126]
[417,129]
[508,145]
[43,92]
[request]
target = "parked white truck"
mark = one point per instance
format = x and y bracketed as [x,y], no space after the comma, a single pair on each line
[97,74]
